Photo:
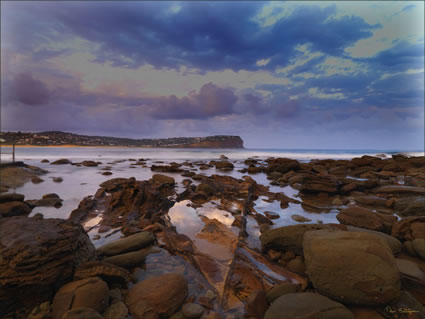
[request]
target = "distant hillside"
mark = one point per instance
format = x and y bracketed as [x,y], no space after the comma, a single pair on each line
[52,138]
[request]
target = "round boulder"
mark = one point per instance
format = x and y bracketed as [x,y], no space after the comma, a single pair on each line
[88,293]
[306,305]
[82,313]
[353,267]
[157,296]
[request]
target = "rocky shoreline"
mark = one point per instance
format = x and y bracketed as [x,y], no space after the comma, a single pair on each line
[238,263]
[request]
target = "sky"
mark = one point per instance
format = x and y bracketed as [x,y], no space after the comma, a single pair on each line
[306,75]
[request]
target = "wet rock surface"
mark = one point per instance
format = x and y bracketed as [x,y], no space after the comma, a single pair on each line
[188,245]
[85,293]
[365,258]
[157,296]
[306,305]
[38,256]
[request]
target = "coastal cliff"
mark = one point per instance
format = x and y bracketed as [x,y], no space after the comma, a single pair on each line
[56,138]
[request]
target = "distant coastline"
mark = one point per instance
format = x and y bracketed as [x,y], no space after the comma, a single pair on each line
[64,139]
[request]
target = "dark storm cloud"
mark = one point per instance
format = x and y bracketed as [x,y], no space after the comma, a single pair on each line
[207,35]
[401,57]
[29,90]
[209,102]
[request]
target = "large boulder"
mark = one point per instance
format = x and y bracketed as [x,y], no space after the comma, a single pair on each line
[126,244]
[157,296]
[393,242]
[366,218]
[306,305]
[289,237]
[37,257]
[88,293]
[364,260]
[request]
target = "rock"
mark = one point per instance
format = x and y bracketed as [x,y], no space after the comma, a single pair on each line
[254,170]
[11,197]
[50,195]
[89,163]
[106,173]
[300,219]
[57,179]
[223,165]
[365,218]
[126,244]
[363,257]
[82,313]
[316,183]
[296,265]
[89,293]
[37,180]
[172,168]
[287,237]
[128,260]
[110,273]
[206,188]
[280,290]
[271,215]
[38,255]
[393,242]
[45,161]
[13,175]
[117,310]
[256,305]
[41,311]
[419,247]
[10,209]
[415,208]
[274,254]
[163,179]
[261,219]
[337,202]
[408,248]
[46,202]
[306,305]
[371,200]
[179,315]
[409,228]
[192,310]
[157,296]
[61,161]
[397,189]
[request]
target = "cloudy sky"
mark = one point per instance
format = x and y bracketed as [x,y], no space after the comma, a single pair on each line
[338,75]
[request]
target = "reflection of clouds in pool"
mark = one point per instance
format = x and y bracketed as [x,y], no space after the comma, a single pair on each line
[212,212]
[185,219]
